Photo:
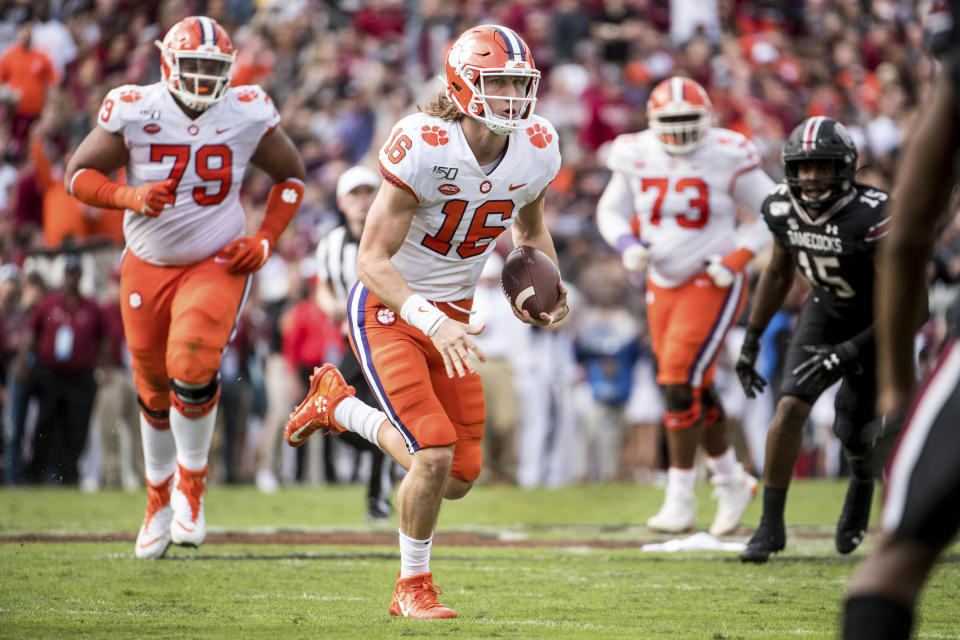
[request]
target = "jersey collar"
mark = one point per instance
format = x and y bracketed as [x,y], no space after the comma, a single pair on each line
[826,215]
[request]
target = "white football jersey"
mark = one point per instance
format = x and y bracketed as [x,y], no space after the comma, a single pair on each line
[207,157]
[684,205]
[461,210]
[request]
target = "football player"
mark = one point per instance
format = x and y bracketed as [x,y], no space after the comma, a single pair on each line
[920,514]
[825,224]
[670,208]
[185,142]
[474,163]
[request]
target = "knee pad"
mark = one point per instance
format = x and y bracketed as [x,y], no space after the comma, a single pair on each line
[683,406]
[156,418]
[713,412]
[195,401]
[467,460]
[196,361]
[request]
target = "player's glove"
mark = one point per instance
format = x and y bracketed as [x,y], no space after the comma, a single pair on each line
[247,255]
[148,199]
[636,256]
[825,365]
[751,381]
[721,274]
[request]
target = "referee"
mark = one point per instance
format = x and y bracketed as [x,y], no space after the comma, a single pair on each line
[336,275]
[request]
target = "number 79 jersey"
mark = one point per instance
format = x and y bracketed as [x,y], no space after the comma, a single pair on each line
[206,158]
[835,250]
[461,209]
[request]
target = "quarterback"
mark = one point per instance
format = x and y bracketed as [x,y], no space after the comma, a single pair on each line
[474,163]
[185,143]
[670,208]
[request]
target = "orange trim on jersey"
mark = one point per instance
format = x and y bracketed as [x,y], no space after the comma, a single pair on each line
[739,172]
[739,259]
[397,182]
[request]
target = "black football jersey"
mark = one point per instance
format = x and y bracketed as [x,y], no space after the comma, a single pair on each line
[835,250]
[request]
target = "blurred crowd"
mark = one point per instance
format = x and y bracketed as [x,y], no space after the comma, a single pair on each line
[580,403]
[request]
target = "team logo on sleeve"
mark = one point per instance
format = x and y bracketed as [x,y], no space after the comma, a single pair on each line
[386,316]
[434,136]
[130,95]
[540,136]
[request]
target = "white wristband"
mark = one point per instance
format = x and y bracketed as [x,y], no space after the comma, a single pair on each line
[419,313]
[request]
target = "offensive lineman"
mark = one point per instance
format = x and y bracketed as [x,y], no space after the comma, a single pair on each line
[827,225]
[185,142]
[475,163]
[684,179]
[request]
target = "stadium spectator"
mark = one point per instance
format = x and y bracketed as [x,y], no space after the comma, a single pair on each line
[26,74]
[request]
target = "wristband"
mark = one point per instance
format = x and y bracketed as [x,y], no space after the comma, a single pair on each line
[627,240]
[419,313]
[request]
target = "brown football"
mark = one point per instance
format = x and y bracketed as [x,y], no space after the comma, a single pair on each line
[529,280]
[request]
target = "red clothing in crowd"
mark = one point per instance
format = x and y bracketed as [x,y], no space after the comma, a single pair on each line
[310,338]
[68,337]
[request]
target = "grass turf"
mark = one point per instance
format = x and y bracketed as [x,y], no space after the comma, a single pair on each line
[98,590]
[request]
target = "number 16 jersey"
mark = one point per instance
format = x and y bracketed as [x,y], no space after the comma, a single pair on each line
[206,157]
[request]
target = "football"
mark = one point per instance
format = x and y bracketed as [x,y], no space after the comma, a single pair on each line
[529,280]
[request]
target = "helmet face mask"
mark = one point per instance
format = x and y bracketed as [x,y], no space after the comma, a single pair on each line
[680,113]
[196,59]
[489,67]
[819,161]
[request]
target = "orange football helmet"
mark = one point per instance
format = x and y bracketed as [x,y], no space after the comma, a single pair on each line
[196,57]
[480,54]
[680,113]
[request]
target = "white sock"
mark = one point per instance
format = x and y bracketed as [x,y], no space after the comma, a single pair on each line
[724,465]
[681,480]
[359,417]
[159,452]
[414,555]
[193,437]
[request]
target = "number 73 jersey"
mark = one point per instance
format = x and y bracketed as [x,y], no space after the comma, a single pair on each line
[835,250]
[461,210]
[205,157]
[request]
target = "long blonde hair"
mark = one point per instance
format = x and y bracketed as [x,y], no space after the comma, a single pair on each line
[441,107]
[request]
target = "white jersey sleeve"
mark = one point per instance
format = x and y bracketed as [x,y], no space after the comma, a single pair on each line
[615,210]
[461,209]
[119,107]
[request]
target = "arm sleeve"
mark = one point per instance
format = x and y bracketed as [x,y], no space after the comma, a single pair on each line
[614,211]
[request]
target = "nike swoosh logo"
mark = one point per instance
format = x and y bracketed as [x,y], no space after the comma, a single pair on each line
[295,436]
[220,260]
[222,130]
[186,528]
[422,310]
[514,187]
[144,545]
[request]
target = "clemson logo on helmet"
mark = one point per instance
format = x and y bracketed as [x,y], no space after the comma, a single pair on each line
[130,95]
[460,51]
[434,136]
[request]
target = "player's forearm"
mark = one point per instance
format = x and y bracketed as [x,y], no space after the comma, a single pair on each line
[378,274]
[772,290]
[541,239]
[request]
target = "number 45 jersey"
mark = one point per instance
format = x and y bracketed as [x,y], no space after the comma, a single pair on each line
[206,157]
[835,250]
[461,209]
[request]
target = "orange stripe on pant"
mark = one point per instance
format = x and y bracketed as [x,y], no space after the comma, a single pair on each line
[407,376]
[688,325]
[177,322]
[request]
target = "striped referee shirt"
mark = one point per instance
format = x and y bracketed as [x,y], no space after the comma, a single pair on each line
[337,261]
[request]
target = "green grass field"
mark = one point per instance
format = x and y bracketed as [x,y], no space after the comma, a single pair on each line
[546,565]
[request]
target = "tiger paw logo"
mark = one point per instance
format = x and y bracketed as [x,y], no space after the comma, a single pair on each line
[434,136]
[247,95]
[540,137]
[130,95]
[386,316]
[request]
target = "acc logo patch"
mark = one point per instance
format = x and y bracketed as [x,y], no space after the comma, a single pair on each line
[448,189]
[485,186]
[152,128]
[386,316]
[136,300]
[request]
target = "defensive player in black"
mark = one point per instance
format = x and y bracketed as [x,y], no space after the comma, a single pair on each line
[921,511]
[826,224]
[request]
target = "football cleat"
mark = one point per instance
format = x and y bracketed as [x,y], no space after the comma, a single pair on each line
[733,494]
[768,538]
[154,535]
[852,525]
[327,389]
[189,527]
[677,514]
[416,597]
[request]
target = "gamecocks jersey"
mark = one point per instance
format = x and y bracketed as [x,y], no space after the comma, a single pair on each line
[462,210]
[685,205]
[835,251]
[207,158]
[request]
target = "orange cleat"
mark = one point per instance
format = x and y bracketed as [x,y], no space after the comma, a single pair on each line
[416,597]
[327,389]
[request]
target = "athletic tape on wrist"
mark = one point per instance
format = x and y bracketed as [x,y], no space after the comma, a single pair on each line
[419,313]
